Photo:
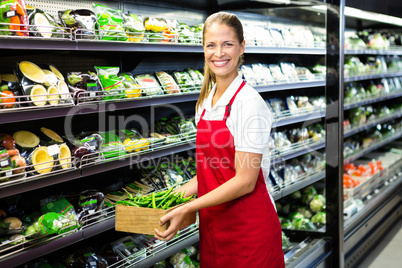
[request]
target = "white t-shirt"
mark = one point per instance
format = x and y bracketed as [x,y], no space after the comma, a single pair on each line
[249,121]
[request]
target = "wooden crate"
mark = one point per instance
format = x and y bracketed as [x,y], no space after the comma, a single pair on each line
[145,220]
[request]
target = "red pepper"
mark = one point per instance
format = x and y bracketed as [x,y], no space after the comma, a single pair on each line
[7,99]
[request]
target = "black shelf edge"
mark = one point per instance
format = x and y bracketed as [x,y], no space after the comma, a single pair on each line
[137,47]
[37,44]
[286,50]
[98,228]
[96,107]
[289,86]
[372,52]
[86,108]
[372,76]
[34,253]
[168,251]
[35,114]
[135,159]
[296,119]
[372,100]
[301,184]
[37,183]
[372,124]
[296,153]
[373,147]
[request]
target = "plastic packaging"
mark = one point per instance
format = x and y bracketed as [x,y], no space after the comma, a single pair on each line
[133,89]
[167,82]
[185,81]
[129,248]
[112,145]
[134,27]
[149,84]
[110,23]
[13,12]
[81,21]
[111,83]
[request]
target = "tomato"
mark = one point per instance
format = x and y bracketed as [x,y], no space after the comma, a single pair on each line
[346,177]
[362,168]
[7,97]
[380,167]
[7,141]
[357,173]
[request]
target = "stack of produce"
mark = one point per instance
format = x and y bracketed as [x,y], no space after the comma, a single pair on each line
[290,172]
[11,229]
[24,153]
[302,210]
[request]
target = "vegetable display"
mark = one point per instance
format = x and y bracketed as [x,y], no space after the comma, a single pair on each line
[159,200]
[110,23]
[13,12]
[167,82]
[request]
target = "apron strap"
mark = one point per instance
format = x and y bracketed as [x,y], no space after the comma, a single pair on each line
[229,106]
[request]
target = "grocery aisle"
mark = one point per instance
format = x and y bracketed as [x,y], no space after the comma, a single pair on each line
[388,251]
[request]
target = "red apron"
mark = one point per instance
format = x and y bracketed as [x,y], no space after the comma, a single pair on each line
[244,232]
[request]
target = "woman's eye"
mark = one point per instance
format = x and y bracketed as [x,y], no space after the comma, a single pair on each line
[228,45]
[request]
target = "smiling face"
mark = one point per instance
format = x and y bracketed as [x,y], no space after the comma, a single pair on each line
[222,50]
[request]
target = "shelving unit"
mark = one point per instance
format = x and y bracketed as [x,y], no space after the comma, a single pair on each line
[381,203]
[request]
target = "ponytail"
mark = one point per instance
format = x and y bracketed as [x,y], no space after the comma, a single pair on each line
[207,84]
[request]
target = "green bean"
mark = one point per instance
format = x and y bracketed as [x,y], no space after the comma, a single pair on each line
[153,200]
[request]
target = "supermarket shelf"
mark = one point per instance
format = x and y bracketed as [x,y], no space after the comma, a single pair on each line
[286,50]
[171,249]
[36,113]
[135,159]
[308,254]
[308,147]
[372,123]
[287,120]
[348,106]
[19,186]
[373,147]
[56,243]
[365,227]
[289,86]
[372,76]
[302,183]
[370,205]
[112,46]
[373,52]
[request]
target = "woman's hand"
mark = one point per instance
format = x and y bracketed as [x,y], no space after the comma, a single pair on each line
[176,218]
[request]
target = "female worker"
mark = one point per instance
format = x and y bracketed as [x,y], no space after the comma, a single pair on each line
[238,224]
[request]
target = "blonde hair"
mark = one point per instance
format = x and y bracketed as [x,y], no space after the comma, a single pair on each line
[232,21]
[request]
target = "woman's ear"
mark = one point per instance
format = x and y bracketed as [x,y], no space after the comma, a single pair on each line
[243,46]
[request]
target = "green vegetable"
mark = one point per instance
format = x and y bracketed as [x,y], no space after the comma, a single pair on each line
[320,217]
[110,23]
[303,224]
[296,195]
[68,19]
[318,203]
[305,212]
[295,215]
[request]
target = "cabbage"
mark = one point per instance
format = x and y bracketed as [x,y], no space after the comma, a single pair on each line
[308,194]
[320,217]
[303,224]
[305,212]
[295,215]
[318,203]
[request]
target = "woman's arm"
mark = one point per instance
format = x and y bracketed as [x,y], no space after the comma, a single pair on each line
[247,169]
[190,187]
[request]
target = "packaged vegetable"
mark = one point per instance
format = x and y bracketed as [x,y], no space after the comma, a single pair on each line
[110,23]
[185,33]
[196,76]
[317,204]
[81,21]
[133,141]
[303,224]
[112,145]
[111,83]
[58,204]
[156,25]
[167,82]
[289,70]
[263,74]
[130,249]
[277,37]
[52,223]
[15,13]
[277,74]
[42,24]
[134,27]
[84,85]
[133,89]
[185,81]
[319,218]
[84,258]
[277,105]
[86,147]
[149,84]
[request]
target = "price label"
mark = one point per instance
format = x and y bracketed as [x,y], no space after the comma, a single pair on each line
[11,13]
[53,149]
[4,163]
[9,173]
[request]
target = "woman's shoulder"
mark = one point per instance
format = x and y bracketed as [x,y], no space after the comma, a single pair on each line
[250,97]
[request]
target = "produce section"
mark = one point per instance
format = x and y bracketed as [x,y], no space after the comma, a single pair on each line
[297,152]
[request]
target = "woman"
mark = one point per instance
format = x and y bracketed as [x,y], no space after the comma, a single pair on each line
[239,226]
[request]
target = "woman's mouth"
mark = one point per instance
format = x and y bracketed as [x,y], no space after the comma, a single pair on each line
[220,63]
